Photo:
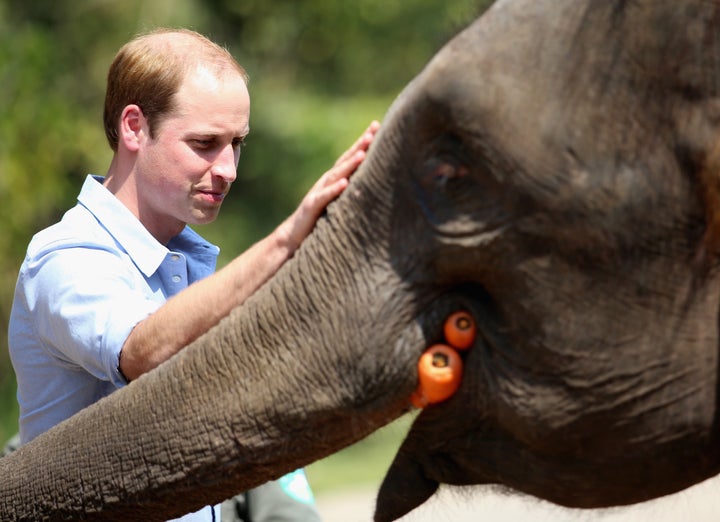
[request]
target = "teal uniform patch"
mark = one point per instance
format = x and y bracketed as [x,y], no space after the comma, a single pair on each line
[296,486]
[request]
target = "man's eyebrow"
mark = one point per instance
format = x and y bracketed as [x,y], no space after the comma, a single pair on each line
[215,134]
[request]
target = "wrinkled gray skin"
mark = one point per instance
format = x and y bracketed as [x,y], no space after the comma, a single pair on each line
[554,170]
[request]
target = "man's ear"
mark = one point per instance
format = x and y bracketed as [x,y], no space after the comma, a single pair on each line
[133,126]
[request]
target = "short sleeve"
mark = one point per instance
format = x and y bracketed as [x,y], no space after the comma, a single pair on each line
[84,302]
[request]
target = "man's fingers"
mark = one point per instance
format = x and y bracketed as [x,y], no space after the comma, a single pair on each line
[341,170]
[362,143]
[328,193]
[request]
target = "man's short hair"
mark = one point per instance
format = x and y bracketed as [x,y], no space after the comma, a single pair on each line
[148,71]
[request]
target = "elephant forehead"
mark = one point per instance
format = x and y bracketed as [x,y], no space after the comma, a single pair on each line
[546,73]
[578,120]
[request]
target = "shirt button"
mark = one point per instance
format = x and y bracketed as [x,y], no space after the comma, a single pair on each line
[176,278]
[174,257]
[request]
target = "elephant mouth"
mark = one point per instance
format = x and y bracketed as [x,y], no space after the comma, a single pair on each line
[429,455]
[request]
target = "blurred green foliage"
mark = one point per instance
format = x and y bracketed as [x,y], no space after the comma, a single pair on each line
[320,71]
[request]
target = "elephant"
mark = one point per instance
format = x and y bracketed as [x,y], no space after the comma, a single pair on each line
[553,171]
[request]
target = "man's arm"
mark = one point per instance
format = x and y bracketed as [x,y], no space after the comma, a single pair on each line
[192,312]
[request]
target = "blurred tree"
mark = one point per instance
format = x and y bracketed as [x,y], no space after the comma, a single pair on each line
[320,71]
[338,48]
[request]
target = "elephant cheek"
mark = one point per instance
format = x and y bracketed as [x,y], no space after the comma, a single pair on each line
[404,488]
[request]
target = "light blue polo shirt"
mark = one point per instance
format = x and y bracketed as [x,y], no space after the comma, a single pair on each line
[83,286]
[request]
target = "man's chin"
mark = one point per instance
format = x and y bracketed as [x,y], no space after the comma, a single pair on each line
[203,219]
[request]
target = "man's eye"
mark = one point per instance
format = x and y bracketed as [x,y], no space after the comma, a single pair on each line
[203,144]
[238,143]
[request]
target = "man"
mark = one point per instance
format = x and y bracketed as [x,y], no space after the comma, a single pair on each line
[121,283]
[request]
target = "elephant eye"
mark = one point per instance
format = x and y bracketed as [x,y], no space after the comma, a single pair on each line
[446,171]
[459,190]
[444,185]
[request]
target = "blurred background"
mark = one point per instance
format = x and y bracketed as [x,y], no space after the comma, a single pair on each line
[320,71]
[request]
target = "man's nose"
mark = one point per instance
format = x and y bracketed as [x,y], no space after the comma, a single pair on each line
[225,164]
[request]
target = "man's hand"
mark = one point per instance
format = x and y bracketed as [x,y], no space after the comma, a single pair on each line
[330,185]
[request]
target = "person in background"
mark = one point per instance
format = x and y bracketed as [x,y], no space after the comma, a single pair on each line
[122,283]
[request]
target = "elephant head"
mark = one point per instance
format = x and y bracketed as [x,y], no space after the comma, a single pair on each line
[553,171]
[558,163]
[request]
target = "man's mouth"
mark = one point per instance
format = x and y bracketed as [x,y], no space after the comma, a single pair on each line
[215,197]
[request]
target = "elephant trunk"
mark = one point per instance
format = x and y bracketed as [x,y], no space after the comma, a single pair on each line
[301,370]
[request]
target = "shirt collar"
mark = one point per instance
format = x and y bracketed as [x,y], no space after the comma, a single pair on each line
[144,250]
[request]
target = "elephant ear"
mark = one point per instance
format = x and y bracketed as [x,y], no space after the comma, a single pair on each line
[404,487]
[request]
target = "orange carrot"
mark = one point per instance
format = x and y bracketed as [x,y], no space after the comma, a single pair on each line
[460,330]
[439,374]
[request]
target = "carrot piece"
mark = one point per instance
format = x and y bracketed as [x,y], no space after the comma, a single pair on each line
[460,330]
[439,375]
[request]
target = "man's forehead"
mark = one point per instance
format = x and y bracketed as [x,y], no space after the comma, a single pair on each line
[208,105]
[211,78]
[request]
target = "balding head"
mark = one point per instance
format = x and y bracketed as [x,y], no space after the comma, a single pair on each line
[148,71]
